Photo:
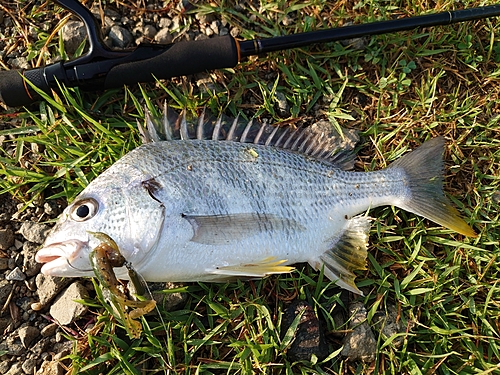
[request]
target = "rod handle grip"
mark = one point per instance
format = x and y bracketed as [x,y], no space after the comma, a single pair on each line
[15,91]
[182,58]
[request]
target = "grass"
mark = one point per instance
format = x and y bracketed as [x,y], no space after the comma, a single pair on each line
[398,90]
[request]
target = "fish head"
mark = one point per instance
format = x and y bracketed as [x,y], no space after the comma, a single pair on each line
[119,203]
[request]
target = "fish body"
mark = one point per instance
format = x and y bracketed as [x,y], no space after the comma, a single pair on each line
[213,210]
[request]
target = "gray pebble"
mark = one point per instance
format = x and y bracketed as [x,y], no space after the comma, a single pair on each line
[27,335]
[6,238]
[73,34]
[5,289]
[48,287]
[15,369]
[4,264]
[51,368]
[164,36]
[120,37]
[50,208]
[19,63]
[28,366]
[34,232]
[283,106]
[360,343]
[388,324]
[15,275]
[4,366]
[149,31]
[30,266]
[64,309]
[49,330]
[164,23]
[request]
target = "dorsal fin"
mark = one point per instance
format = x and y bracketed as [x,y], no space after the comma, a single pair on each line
[318,140]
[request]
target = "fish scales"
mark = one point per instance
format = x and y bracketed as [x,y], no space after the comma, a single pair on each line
[213,210]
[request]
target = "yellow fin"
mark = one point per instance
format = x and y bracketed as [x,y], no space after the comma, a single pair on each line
[266,266]
[423,168]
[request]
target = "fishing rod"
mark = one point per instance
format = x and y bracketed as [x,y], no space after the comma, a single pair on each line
[103,68]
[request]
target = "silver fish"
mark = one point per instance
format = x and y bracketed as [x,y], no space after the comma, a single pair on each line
[241,204]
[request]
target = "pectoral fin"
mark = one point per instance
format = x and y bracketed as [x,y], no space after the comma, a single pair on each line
[225,229]
[267,266]
[347,254]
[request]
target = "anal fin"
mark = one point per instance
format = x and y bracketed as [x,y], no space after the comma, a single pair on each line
[266,266]
[348,254]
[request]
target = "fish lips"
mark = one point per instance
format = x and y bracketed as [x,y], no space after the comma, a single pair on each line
[67,258]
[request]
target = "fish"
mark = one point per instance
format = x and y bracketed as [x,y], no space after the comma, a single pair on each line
[216,202]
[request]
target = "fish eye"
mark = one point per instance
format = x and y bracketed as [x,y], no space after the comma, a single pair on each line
[84,209]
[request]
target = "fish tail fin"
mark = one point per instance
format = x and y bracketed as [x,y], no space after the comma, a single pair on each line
[347,254]
[424,172]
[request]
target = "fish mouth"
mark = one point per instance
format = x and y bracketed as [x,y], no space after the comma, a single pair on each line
[67,258]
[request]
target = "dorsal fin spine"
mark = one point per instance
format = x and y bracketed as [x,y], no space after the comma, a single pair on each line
[304,144]
[280,139]
[216,132]
[230,134]
[271,136]
[200,127]
[245,132]
[183,129]
[259,134]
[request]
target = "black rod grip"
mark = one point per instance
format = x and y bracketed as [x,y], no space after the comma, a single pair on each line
[183,58]
[15,91]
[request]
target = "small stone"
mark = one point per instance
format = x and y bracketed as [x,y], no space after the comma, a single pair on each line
[5,289]
[4,264]
[30,266]
[73,34]
[149,31]
[48,287]
[34,232]
[360,343]
[51,208]
[6,238]
[49,330]
[287,21]
[165,23]
[234,32]
[12,345]
[309,338]
[164,36]
[283,106]
[27,335]
[19,63]
[169,301]
[15,275]
[15,369]
[28,366]
[120,37]
[50,368]
[36,306]
[40,347]
[4,366]
[65,310]
[388,324]
[496,196]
